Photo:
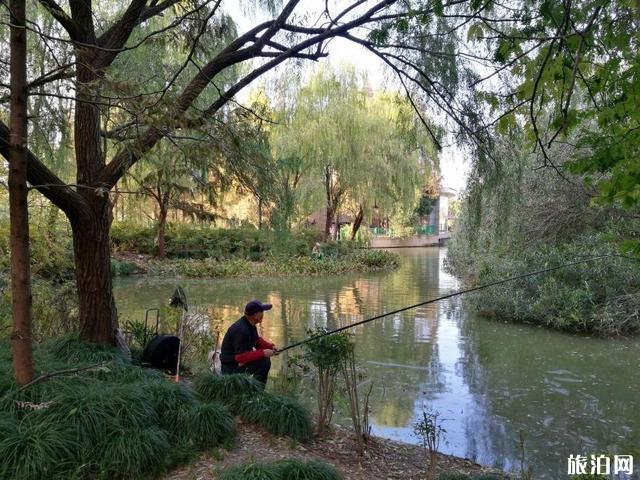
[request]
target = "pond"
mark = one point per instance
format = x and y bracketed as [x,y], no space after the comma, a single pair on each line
[488,380]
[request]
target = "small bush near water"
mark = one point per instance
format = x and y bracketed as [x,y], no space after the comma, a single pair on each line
[115,421]
[277,414]
[282,470]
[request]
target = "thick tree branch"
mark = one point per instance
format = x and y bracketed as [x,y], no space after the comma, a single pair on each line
[231,55]
[116,37]
[47,183]
[156,8]
[75,31]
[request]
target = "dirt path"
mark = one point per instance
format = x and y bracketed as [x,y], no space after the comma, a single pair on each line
[382,460]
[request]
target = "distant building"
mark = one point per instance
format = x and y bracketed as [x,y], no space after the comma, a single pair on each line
[440,214]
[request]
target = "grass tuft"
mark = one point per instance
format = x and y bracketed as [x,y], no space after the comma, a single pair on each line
[208,425]
[231,390]
[133,452]
[32,450]
[311,470]
[94,411]
[113,421]
[71,349]
[278,414]
[282,470]
[251,471]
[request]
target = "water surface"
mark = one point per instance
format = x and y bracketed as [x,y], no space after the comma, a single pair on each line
[489,381]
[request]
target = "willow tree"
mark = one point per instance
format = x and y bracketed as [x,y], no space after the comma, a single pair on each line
[363,148]
[117,122]
[401,156]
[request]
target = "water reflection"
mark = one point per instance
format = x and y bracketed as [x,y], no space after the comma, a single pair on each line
[488,380]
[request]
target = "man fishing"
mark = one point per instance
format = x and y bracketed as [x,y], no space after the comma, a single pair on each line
[243,350]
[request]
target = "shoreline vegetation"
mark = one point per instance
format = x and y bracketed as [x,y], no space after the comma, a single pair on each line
[211,252]
[101,415]
[521,219]
[355,261]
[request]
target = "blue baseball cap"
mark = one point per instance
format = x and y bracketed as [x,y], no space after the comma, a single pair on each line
[254,306]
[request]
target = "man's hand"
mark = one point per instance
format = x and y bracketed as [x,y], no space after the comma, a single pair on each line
[268,353]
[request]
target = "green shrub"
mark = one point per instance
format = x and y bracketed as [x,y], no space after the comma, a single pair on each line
[122,268]
[360,261]
[589,297]
[54,305]
[278,414]
[282,470]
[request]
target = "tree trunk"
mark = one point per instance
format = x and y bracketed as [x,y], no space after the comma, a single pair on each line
[97,308]
[21,341]
[328,222]
[162,223]
[356,223]
[259,213]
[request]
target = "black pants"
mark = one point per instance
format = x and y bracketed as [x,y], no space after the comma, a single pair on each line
[259,369]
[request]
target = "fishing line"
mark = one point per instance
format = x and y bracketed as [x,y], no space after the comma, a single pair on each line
[454,294]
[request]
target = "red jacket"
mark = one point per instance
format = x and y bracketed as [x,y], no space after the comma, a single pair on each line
[254,355]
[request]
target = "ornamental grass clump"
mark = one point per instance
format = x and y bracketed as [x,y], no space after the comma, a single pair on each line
[278,414]
[73,350]
[94,411]
[207,425]
[113,420]
[282,470]
[251,471]
[32,449]
[311,470]
[132,452]
[231,390]
[244,396]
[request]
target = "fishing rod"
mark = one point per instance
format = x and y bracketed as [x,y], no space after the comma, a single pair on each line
[454,294]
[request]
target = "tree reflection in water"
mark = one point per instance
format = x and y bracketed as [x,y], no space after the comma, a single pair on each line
[488,380]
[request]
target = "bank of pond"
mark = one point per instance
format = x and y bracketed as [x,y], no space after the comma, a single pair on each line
[95,414]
